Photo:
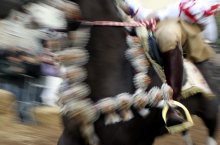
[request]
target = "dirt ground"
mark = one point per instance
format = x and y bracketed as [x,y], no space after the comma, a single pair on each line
[14,133]
[198,132]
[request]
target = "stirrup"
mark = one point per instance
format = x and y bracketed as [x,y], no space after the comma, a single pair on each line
[180,127]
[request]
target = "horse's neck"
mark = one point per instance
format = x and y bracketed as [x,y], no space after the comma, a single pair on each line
[109,72]
[99,10]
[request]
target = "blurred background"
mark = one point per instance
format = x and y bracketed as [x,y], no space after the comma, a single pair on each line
[30,75]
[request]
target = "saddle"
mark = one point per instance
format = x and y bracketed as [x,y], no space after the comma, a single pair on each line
[193,81]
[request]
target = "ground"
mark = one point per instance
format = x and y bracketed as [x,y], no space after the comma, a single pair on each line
[14,133]
[198,133]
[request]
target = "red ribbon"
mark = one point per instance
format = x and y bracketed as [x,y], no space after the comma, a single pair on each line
[148,24]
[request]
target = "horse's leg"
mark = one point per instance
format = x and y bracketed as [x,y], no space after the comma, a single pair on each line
[61,140]
[207,110]
[193,104]
[187,138]
[209,115]
[66,139]
[71,134]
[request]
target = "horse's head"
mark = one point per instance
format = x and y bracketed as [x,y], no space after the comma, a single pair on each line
[98,10]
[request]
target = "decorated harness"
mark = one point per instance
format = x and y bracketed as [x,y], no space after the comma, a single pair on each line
[73,97]
[74,101]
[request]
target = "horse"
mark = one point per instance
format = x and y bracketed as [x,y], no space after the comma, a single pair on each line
[110,73]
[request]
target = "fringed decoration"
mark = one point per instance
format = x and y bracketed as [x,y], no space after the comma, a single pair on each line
[196,82]
[88,132]
[167,92]
[76,91]
[125,101]
[140,63]
[194,90]
[72,56]
[74,74]
[155,96]
[134,52]
[143,35]
[85,114]
[142,80]
[108,107]
[140,102]
[80,37]
[82,111]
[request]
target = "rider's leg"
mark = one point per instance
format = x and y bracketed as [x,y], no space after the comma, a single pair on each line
[173,68]
[169,35]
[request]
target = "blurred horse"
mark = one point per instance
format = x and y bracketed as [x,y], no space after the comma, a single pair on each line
[110,73]
[114,71]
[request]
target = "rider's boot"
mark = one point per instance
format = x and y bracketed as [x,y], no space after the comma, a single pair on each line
[173,118]
[173,68]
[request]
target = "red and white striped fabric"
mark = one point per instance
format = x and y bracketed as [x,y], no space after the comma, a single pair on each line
[196,10]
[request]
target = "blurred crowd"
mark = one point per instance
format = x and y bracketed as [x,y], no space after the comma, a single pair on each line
[28,66]
[32,78]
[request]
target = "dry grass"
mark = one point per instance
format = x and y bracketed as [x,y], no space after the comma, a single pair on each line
[14,133]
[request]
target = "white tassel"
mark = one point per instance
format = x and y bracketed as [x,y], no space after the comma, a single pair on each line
[140,101]
[108,107]
[144,112]
[167,91]
[142,80]
[155,95]
[112,118]
[125,101]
